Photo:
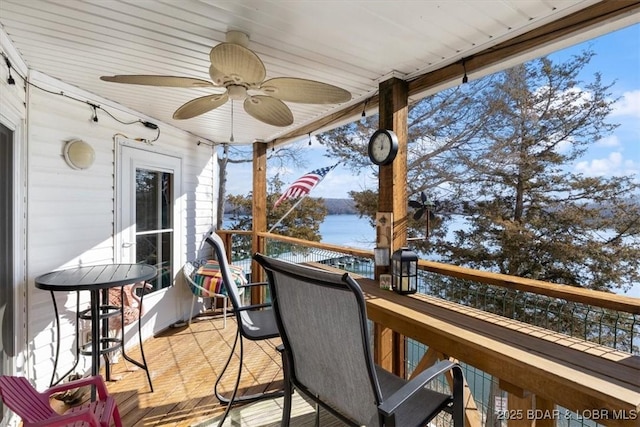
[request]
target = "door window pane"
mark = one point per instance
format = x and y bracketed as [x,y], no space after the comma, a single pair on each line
[154,194]
[154,223]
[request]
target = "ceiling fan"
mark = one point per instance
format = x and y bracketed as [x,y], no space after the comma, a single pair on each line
[237,73]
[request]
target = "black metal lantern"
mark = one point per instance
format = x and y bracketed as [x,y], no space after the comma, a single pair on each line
[404,271]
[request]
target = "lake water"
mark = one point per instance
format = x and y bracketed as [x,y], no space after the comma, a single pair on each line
[351,230]
[348,230]
[345,230]
[356,232]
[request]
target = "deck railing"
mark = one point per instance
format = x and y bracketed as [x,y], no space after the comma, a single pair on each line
[604,318]
[607,319]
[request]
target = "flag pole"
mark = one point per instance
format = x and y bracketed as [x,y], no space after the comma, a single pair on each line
[288,212]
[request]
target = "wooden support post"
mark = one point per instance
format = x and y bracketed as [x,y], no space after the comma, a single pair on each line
[392,189]
[527,409]
[546,413]
[519,410]
[392,184]
[530,411]
[383,346]
[259,216]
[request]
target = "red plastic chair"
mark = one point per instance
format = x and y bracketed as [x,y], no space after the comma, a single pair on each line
[34,408]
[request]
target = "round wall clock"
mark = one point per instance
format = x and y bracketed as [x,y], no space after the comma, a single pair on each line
[383,147]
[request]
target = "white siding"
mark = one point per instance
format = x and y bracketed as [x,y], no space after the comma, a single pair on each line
[71,213]
[13,115]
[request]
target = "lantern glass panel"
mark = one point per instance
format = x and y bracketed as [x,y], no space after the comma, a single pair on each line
[404,271]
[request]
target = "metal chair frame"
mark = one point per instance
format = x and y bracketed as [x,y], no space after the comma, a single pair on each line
[255,322]
[327,353]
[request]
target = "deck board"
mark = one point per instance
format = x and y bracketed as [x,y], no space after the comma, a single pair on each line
[184,364]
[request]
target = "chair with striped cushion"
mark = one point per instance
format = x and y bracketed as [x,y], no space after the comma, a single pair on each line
[34,408]
[204,287]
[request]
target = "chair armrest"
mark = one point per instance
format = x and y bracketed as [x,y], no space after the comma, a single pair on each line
[96,380]
[250,285]
[389,406]
[253,307]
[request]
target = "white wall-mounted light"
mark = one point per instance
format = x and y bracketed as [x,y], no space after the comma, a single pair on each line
[78,154]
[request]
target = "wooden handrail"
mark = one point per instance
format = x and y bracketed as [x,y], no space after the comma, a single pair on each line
[364,253]
[569,293]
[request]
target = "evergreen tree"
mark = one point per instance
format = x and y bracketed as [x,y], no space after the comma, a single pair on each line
[500,157]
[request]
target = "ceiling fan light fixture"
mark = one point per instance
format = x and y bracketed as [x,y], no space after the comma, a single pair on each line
[237,92]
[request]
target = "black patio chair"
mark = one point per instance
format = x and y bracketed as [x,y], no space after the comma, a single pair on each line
[323,324]
[255,322]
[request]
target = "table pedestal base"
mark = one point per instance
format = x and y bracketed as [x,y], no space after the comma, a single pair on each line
[107,344]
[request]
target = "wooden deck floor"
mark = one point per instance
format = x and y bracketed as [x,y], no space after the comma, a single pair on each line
[184,364]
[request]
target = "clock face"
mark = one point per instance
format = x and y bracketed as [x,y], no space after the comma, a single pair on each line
[383,147]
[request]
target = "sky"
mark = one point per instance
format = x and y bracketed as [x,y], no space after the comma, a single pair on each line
[617,59]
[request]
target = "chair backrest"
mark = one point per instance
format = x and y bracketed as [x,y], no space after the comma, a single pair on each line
[323,324]
[189,270]
[20,396]
[232,289]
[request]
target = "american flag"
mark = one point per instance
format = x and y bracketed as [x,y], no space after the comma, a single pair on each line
[303,185]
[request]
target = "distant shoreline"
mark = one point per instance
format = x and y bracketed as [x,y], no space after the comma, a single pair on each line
[334,207]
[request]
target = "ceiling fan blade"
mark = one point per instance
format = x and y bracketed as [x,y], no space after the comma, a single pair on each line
[418,214]
[149,80]
[236,64]
[268,110]
[201,105]
[415,204]
[304,91]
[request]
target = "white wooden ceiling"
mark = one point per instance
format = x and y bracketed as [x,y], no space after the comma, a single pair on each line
[351,44]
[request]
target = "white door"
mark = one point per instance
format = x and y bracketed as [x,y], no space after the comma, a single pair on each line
[149,212]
